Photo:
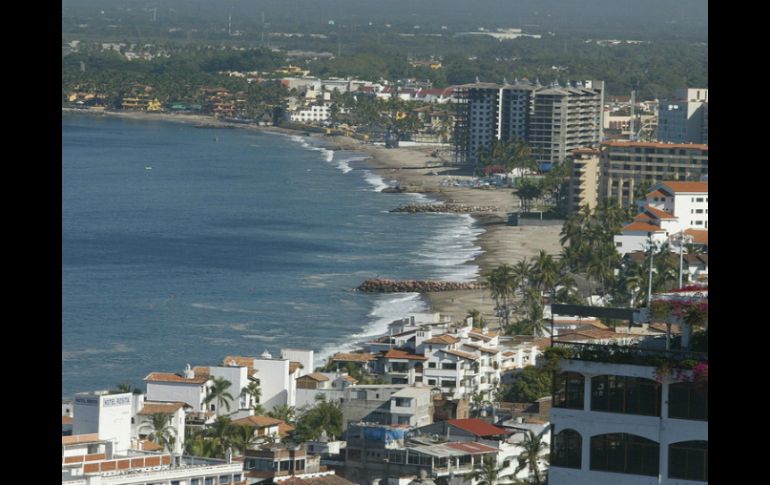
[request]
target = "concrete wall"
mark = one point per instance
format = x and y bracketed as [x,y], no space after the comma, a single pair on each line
[192,394]
[107,415]
[274,381]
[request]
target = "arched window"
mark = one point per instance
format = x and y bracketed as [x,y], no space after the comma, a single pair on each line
[567,449]
[688,400]
[625,453]
[689,460]
[628,395]
[568,391]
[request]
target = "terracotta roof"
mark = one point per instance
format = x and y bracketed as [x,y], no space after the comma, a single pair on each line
[80,438]
[257,421]
[147,445]
[471,447]
[464,355]
[320,480]
[443,339]
[316,376]
[67,420]
[489,333]
[202,371]
[648,144]
[699,236]
[482,349]
[169,377]
[346,357]
[293,366]
[166,408]
[687,187]
[509,354]
[658,193]
[352,380]
[642,226]
[400,354]
[239,361]
[284,428]
[542,343]
[593,334]
[659,214]
[661,327]
[478,427]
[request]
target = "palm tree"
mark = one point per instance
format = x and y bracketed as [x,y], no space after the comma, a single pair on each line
[242,438]
[478,402]
[488,473]
[254,393]
[161,431]
[220,431]
[218,392]
[202,446]
[478,319]
[533,447]
[501,285]
[126,387]
[284,412]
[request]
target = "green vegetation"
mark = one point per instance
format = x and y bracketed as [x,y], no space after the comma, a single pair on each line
[324,416]
[161,432]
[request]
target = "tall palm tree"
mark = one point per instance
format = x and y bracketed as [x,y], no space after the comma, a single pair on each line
[161,431]
[202,446]
[254,393]
[284,412]
[501,286]
[217,391]
[220,431]
[126,387]
[478,318]
[242,438]
[532,454]
[488,473]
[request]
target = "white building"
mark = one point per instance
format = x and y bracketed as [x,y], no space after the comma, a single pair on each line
[671,210]
[277,376]
[617,423]
[186,387]
[107,415]
[176,415]
[312,115]
[87,460]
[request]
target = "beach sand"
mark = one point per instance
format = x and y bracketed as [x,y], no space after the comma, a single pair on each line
[501,243]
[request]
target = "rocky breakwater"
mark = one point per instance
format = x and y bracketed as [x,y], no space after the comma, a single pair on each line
[377,285]
[445,208]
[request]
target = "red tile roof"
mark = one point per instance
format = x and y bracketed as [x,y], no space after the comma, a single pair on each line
[400,354]
[257,421]
[659,214]
[642,226]
[169,377]
[67,420]
[165,408]
[293,366]
[316,376]
[464,355]
[658,193]
[699,236]
[478,427]
[687,187]
[443,339]
[471,447]
[239,361]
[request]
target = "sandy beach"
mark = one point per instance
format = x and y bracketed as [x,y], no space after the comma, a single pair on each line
[500,243]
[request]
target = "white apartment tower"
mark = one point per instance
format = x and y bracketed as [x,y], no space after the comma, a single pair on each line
[554,119]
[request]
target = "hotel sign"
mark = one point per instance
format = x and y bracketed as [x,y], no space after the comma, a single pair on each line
[116,401]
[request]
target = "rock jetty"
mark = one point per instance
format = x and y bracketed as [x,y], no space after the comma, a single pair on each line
[377,285]
[445,208]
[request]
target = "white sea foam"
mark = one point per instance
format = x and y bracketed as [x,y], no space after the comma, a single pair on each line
[204,306]
[387,308]
[448,252]
[375,181]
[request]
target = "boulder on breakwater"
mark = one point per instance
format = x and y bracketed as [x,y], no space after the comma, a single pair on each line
[377,285]
[445,208]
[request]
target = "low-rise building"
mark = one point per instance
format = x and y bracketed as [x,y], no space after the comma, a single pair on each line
[387,404]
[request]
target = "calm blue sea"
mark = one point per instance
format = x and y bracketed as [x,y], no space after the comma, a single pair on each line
[183,245]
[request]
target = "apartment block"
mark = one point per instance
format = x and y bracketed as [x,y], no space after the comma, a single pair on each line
[584,179]
[685,118]
[626,165]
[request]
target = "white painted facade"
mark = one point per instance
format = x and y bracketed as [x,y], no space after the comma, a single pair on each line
[313,114]
[176,420]
[239,378]
[304,357]
[277,386]
[192,394]
[108,415]
[663,430]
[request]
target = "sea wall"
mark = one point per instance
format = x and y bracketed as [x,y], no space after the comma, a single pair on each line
[445,208]
[377,285]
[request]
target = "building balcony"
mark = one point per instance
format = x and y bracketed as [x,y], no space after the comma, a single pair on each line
[617,354]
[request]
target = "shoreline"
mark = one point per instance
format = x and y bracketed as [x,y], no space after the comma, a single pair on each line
[499,243]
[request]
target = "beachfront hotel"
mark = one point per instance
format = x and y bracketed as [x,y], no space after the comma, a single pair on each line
[631,415]
[553,119]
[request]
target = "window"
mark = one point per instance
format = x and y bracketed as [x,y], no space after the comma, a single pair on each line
[688,400]
[431,365]
[449,365]
[628,395]
[431,382]
[625,453]
[195,481]
[210,481]
[448,383]
[689,460]
[224,479]
[569,391]
[567,449]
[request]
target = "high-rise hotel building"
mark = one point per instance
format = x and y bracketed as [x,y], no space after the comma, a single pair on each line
[554,120]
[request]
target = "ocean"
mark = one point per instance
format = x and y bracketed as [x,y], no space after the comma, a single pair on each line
[183,245]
